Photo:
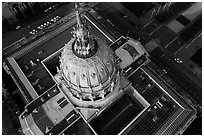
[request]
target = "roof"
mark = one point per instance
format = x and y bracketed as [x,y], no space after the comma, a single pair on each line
[192,12]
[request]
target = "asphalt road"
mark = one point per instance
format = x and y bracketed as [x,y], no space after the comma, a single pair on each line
[24,31]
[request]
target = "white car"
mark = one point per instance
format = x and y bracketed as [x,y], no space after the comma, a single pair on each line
[18,27]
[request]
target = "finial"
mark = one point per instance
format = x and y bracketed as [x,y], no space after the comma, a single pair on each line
[83,45]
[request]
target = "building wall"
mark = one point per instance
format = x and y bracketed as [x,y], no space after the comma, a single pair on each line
[11,10]
[8,14]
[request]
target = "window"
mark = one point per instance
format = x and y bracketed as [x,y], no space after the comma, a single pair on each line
[62,102]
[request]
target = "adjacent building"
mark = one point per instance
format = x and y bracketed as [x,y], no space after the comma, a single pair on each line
[15,11]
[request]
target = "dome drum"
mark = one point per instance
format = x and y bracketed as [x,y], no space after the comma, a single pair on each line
[91,94]
[90,86]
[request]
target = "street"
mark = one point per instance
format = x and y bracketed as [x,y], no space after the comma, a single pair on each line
[24,31]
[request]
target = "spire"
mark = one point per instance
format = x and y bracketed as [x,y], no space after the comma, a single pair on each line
[84,46]
[79,28]
[78,17]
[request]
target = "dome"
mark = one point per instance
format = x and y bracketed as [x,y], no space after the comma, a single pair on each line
[88,69]
[89,77]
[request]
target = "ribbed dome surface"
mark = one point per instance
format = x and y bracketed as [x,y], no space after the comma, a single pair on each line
[89,78]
